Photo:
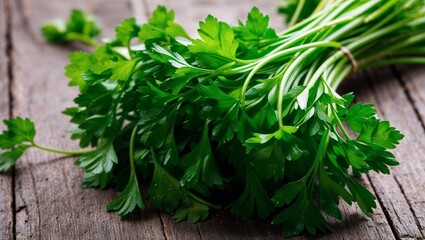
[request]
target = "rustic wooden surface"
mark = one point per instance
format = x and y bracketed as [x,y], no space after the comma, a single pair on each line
[41,197]
[6,180]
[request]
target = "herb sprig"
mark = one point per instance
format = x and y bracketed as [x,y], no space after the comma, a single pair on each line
[242,116]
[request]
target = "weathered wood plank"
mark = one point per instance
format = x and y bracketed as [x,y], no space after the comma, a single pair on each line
[6,196]
[49,201]
[406,181]
[413,78]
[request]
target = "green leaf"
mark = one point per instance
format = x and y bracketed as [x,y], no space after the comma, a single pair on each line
[18,131]
[330,191]
[127,30]
[80,26]
[354,156]
[217,45]
[161,26]
[164,191]
[359,115]
[363,197]
[101,160]
[287,193]
[300,215]
[377,157]
[128,199]
[381,133]
[80,63]
[82,23]
[216,103]
[156,126]
[101,180]
[253,199]
[124,70]
[201,168]
[8,159]
[191,210]
[255,29]
[54,31]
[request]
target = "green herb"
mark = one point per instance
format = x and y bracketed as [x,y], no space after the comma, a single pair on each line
[80,27]
[242,116]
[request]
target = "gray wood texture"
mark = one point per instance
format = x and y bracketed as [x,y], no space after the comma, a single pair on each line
[6,180]
[402,193]
[42,199]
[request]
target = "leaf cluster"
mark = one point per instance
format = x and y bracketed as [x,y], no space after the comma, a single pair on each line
[241,116]
[80,26]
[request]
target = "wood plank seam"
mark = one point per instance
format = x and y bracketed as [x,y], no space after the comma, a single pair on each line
[386,213]
[392,221]
[372,184]
[9,53]
[10,77]
[23,12]
[410,206]
[162,225]
[408,95]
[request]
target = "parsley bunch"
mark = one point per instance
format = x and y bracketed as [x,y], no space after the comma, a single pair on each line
[241,117]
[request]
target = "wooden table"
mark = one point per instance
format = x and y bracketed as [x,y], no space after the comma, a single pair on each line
[42,199]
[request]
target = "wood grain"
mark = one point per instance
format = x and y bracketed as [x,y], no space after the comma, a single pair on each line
[6,194]
[405,184]
[49,201]
[413,79]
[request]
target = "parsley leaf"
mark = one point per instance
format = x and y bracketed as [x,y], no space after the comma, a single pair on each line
[217,45]
[127,30]
[253,198]
[128,199]
[8,159]
[255,29]
[19,131]
[200,166]
[161,26]
[100,160]
[80,26]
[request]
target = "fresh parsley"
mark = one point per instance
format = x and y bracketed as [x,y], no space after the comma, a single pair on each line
[241,116]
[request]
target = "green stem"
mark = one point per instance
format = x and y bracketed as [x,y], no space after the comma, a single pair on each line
[338,121]
[65,152]
[393,61]
[320,7]
[198,199]
[312,173]
[282,53]
[131,153]
[297,13]
[83,39]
